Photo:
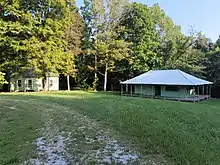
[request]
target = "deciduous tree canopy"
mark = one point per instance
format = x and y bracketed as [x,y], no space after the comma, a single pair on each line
[101,44]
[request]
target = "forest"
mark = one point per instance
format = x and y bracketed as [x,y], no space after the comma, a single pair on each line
[100,43]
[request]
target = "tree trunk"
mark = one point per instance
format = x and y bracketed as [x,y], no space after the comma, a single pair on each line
[95,76]
[44,82]
[48,83]
[106,77]
[68,82]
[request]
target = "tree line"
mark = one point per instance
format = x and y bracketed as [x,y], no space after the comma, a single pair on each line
[99,44]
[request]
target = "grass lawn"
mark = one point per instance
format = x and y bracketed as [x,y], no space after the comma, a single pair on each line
[97,128]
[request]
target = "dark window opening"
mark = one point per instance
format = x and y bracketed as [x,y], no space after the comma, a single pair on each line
[51,83]
[29,83]
[171,88]
[19,83]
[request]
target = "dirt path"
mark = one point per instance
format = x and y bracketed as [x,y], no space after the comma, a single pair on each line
[50,147]
[72,138]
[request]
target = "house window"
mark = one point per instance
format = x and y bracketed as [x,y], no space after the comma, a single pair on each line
[19,83]
[29,83]
[51,83]
[171,88]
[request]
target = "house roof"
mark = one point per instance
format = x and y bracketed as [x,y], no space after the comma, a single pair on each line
[166,77]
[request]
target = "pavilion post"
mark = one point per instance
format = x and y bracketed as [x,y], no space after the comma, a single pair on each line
[164,88]
[210,90]
[152,91]
[122,89]
[126,88]
[178,94]
[206,90]
[141,91]
[194,94]
[203,88]
[131,89]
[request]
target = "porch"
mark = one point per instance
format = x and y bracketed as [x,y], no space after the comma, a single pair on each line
[196,94]
[195,98]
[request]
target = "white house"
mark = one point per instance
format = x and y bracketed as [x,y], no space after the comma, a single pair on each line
[31,83]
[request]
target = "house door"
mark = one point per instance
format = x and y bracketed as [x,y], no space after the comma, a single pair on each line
[157,90]
[30,85]
[20,85]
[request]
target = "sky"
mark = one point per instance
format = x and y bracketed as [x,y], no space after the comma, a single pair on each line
[202,15]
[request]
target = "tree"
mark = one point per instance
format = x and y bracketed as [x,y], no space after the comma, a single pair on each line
[176,51]
[73,36]
[203,43]
[100,37]
[141,32]
[109,48]
[172,41]
[157,43]
[67,66]
[110,51]
[86,64]
[217,43]
[113,39]
[212,63]
[16,28]
[50,39]
[213,66]
[36,35]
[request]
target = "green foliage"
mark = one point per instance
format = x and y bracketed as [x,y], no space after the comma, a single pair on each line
[139,29]
[176,50]
[101,43]
[72,36]
[39,36]
[116,37]
[50,49]
[2,79]
[213,66]
[85,60]
[110,51]
[16,26]
[108,47]
[157,43]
